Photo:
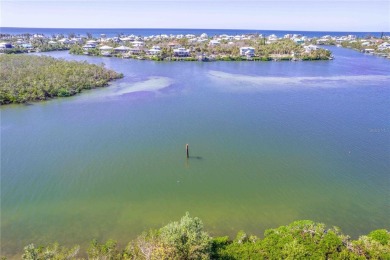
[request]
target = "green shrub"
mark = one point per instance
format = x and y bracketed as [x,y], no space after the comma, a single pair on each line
[107,250]
[52,252]
[187,238]
[381,235]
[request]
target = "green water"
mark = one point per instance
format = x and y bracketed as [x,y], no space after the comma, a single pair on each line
[111,163]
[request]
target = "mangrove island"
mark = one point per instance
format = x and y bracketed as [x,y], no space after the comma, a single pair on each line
[25,78]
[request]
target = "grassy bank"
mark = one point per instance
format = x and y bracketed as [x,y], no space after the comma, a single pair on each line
[25,78]
[186,239]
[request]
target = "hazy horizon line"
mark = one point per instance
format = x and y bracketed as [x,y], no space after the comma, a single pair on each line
[185,28]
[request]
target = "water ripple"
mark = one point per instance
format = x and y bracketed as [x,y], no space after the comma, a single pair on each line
[241,82]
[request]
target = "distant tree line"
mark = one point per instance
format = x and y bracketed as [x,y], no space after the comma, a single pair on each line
[186,239]
[25,78]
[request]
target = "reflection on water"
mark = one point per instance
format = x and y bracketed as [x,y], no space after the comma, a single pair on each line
[239,82]
[124,87]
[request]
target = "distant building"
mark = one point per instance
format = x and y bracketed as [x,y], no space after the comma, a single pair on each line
[384,46]
[5,45]
[138,44]
[87,47]
[181,52]
[369,51]
[298,41]
[121,49]
[272,38]
[247,51]
[310,48]
[105,50]
[27,46]
[76,40]
[155,50]
[135,51]
[214,43]
[64,41]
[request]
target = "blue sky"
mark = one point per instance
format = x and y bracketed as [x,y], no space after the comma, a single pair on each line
[315,15]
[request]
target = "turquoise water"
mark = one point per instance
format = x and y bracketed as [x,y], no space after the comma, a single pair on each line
[270,143]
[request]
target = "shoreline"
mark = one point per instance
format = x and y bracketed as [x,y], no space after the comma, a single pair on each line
[249,46]
[313,238]
[189,47]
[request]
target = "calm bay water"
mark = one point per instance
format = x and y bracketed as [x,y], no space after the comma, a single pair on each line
[271,142]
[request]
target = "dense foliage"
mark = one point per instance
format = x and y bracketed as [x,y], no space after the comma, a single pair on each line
[186,240]
[26,78]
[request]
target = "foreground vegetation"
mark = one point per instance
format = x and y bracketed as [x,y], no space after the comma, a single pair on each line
[25,78]
[186,240]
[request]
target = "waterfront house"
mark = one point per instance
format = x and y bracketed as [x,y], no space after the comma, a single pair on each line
[92,42]
[121,49]
[105,50]
[369,51]
[384,46]
[87,47]
[310,48]
[135,51]
[155,50]
[181,52]
[247,51]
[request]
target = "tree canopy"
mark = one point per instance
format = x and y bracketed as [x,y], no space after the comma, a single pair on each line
[25,78]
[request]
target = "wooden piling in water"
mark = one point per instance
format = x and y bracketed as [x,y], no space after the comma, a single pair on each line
[188,150]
